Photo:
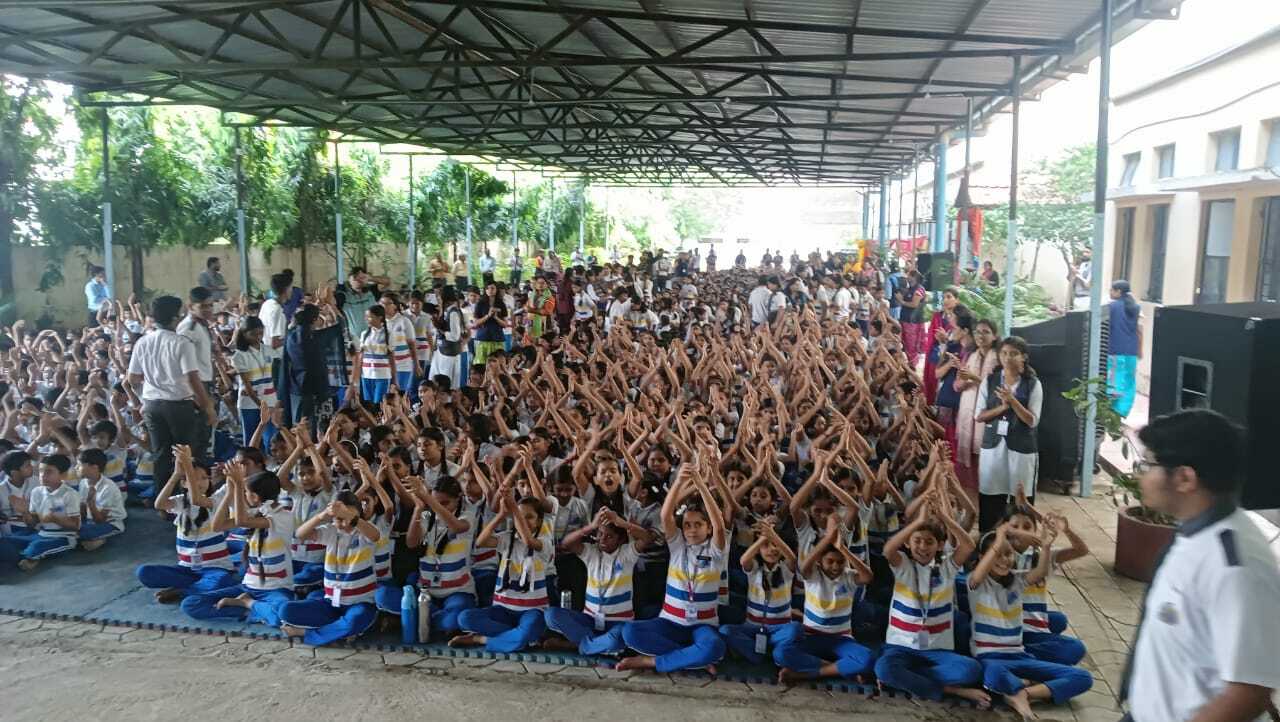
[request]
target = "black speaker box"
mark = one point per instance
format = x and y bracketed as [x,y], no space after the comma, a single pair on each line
[1224,357]
[938,269]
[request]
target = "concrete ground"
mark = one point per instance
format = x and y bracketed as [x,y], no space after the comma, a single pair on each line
[69,670]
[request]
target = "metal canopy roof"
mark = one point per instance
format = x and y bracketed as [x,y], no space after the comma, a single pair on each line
[753,92]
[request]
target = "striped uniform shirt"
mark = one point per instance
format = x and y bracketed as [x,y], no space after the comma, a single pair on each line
[422,335]
[383,547]
[921,614]
[857,541]
[374,361]
[144,471]
[115,470]
[522,572]
[806,539]
[482,557]
[256,362]
[199,547]
[445,566]
[269,564]
[1035,597]
[828,603]
[348,566]
[773,605]
[693,581]
[997,616]
[883,524]
[306,505]
[609,582]
[402,334]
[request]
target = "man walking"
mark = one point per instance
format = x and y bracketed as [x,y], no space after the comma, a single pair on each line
[195,328]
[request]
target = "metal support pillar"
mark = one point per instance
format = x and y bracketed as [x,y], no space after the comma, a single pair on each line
[337,211]
[1011,245]
[884,215]
[242,244]
[915,197]
[939,241]
[582,222]
[965,245]
[551,223]
[515,210]
[471,256]
[108,263]
[1099,221]
[902,204]
[866,213]
[413,233]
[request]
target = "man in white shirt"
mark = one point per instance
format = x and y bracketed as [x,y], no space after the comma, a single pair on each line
[275,327]
[759,299]
[487,265]
[165,374]
[843,301]
[196,328]
[1206,645]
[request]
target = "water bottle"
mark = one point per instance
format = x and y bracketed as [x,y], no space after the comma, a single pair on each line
[566,599]
[424,616]
[408,616]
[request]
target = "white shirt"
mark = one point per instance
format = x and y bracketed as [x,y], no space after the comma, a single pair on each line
[63,500]
[843,301]
[486,264]
[199,335]
[1209,619]
[107,497]
[272,316]
[164,359]
[758,302]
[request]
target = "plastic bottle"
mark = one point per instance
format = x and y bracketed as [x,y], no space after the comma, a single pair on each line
[424,616]
[408,616]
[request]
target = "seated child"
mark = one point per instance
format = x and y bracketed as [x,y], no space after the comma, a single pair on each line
[1041,628]
[101,501]
[53,512]
[768,596]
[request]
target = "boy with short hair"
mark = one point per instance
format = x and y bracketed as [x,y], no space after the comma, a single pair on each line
[101,502]
[53,511]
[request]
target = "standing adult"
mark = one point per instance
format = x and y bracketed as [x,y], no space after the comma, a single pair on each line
[487,265]
[359,293]
[165,374]
[211,278]
[711,260]
[740,261]
[291,299]
[1080,275]
[540,307]
[195,327]
[1010,400]
[979,365]
[489,322]
[758,299]
[913,303]
[1124,347]
[460,275]
[307,347]
[517,268]
[936,335]
[96,293]
[1206,645]
[275,326]
[447,360]
[439,271]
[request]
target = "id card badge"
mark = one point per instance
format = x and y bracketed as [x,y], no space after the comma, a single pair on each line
[598,620]
[524,574]
[337,597]
[1002,427]
[922,640]
[196,557]
[762,643]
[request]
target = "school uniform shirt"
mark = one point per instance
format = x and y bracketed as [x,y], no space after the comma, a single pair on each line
[1035,597]
[445,566]
[858,541]
[8,490]
[383,547]
[199,547]
[62,500]
[693,581]
[758,302]
[922,613]
[423,332]
[882,524]
[275,325]
[828,603]
[349,577]
[115,468]
[769,594]
[107,497]
[270,563]
[997,616]
[256,362]
[1208,618]
[482,558]
[375,362]
[522,572]
[304,507]
[569,517]
[402,334]
[609,582]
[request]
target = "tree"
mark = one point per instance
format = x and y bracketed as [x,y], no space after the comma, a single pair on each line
[26,133]
[1056,211]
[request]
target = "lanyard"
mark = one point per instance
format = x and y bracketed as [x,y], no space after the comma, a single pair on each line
[928,598]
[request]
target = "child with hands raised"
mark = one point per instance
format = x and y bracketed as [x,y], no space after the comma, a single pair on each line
[770,566]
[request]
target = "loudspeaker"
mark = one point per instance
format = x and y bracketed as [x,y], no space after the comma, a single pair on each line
[1059,355]
[1224,357]
[938,269]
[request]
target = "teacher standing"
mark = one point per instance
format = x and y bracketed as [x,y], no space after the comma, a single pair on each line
[1010,399]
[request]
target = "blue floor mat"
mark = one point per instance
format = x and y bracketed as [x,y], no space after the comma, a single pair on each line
[100,587]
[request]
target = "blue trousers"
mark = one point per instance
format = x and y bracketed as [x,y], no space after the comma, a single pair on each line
[580,628]
[404,381]
[444,612]
[325,623]
[675,646]
[374,389]
[37,546]
[485,579]
[192,581]
[741,638]
[91,530]
[1004,673]
[923,673]
[1122,382]
[305,574]
[806,653]
[249,420]
[507,629]
[266,605]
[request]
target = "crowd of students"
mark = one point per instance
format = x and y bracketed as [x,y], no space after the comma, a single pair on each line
[650,461]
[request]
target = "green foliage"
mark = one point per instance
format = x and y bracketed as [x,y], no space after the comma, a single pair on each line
[26,131]
[1031,303]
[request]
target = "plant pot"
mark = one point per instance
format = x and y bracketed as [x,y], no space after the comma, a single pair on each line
[1138,544]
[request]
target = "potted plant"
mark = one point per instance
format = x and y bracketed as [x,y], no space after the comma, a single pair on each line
[1141,532]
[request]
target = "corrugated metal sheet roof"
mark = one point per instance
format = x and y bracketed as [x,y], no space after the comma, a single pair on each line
[718,91]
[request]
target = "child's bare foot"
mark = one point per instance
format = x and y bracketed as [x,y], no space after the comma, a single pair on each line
[977,696]
[28,565]
[292,631]
[467,640]
[789,677]
[1021,704]
[92,544]
[559,644]
[244,601]
[169,596]
[637,662]
[711,670]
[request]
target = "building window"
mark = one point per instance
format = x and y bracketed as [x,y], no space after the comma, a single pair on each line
[1164,161]
[1273,144]
[1219,226]
[1226,149]
[1130,169]
[1124,243]
[1159,238]
[1269,253]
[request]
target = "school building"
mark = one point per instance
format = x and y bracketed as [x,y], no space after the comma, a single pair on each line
[1194,183]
